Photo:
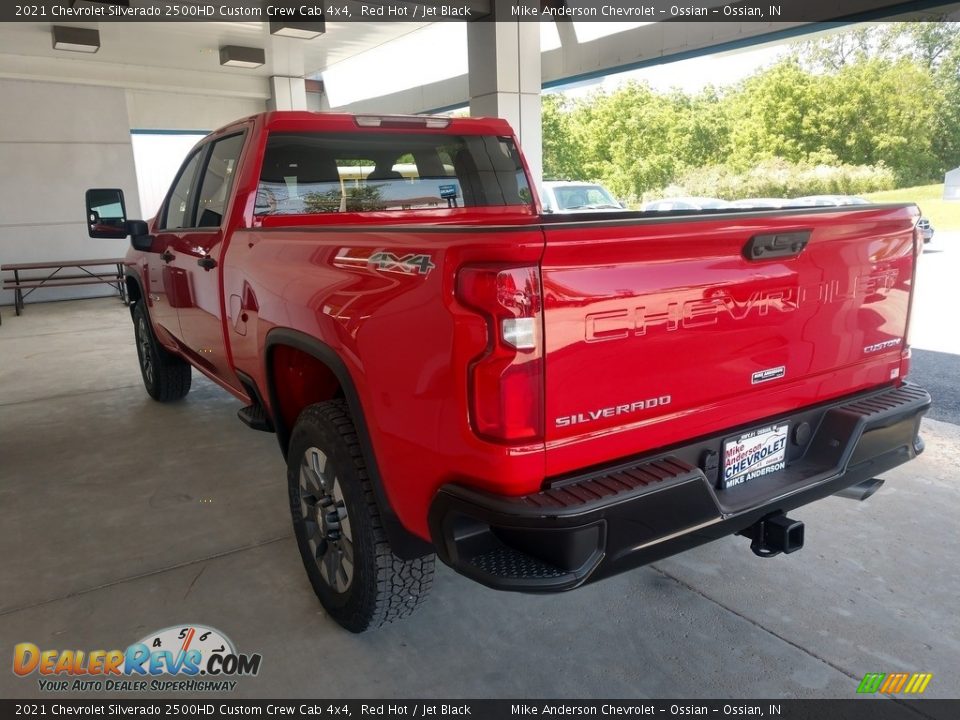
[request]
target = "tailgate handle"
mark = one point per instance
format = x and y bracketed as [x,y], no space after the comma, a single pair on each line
[776,245]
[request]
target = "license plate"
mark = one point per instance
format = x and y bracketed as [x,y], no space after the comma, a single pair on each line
[754,454]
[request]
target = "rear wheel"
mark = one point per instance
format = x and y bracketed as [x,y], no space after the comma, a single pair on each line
[359,580]
[165,375]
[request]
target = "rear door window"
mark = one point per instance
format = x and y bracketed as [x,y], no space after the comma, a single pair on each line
[217,180]
[368,172]
[180,206]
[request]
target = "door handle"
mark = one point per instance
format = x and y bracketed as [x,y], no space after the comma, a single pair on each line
[777,245]
[207,263]
[167,256]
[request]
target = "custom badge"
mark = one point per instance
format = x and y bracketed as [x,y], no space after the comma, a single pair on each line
[762,376]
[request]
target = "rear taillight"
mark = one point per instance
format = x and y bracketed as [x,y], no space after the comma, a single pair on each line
[905,351]
[506,380]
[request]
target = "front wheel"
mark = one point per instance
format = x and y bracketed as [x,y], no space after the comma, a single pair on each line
[359,580]
[165,376]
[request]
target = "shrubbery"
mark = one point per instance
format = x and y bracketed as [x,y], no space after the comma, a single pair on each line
[780,179]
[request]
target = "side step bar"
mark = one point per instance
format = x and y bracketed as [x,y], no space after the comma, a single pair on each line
[255,417]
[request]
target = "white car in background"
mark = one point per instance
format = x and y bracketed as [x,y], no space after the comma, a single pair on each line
[563,196]
[760,203]
[685,203]
[829,200]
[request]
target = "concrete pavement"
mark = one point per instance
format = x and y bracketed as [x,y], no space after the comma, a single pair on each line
[935,328]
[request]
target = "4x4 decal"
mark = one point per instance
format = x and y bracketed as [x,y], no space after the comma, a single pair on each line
[408,264]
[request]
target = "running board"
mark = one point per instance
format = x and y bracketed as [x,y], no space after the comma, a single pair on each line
[254,416]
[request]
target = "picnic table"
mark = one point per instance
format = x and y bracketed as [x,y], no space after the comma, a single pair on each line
[53,278]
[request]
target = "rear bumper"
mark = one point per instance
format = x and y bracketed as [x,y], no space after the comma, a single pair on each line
[609,520]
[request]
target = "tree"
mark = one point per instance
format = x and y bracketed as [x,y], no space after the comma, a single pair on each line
[878,96]
[877,111]
[774,115]
[930,43]
[562,156]
[832,52]
[631,139]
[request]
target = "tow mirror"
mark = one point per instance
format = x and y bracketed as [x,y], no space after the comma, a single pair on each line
[106,214]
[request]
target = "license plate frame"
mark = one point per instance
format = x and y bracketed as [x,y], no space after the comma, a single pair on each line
[754,454]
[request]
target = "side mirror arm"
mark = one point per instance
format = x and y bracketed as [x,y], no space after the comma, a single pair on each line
[140,237]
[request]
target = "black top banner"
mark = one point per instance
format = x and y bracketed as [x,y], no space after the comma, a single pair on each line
[885,709]
[85,11]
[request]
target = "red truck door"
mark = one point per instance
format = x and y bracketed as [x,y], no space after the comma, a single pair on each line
[198,251]
[167,284]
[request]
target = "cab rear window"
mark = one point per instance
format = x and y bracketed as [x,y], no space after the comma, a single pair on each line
[309,173]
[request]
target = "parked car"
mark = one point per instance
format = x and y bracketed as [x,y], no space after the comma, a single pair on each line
[759,203]
[924,225]
[540,400]
[685,203]
[828,200]
[562,196]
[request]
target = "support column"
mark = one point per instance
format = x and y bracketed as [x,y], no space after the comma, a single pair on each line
[504,67]
[287,93]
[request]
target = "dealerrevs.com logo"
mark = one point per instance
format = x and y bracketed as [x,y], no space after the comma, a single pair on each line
[182,658]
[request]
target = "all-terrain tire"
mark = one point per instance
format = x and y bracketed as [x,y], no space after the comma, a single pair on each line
[359,580]
[165,375]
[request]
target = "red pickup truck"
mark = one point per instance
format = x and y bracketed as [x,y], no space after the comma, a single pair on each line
[540,400]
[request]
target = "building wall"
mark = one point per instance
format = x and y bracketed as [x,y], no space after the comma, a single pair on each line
[951,185]
[153,110]
[57,140]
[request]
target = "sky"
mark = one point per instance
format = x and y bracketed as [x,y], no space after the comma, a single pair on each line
[448,41]
[690,75]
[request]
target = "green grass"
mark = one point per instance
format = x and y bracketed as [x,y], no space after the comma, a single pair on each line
[945,215]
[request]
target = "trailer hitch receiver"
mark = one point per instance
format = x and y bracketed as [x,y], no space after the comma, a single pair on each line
[775,534]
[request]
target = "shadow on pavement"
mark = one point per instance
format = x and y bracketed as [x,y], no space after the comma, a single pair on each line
[939,373]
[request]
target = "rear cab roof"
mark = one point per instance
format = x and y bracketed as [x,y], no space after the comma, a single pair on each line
[308,121]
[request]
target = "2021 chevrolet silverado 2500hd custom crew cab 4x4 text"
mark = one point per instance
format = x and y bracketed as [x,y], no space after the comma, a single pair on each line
[540,400]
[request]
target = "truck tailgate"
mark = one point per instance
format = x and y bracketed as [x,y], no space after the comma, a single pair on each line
[659,330]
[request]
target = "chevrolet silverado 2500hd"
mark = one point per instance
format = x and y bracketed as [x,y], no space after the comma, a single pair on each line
[540,400]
